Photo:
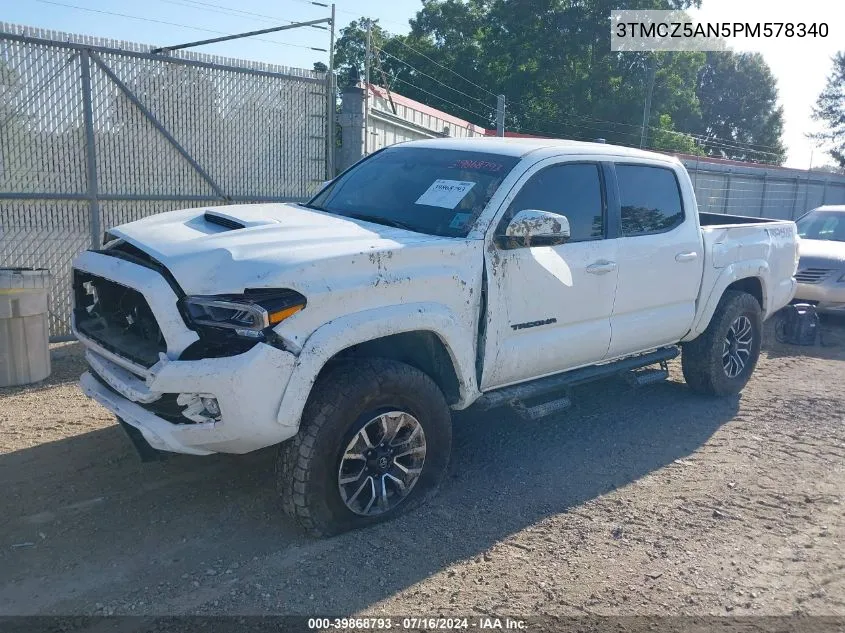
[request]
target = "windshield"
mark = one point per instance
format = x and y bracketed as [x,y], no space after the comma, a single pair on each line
[823,225]
[428,190]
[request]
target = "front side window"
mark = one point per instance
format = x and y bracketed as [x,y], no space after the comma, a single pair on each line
[650,198]
[423,189]
[823,225]
[573,190]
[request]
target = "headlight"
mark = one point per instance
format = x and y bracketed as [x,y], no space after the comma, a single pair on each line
[248,314]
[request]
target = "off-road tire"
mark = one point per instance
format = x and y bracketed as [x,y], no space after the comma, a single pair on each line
[342,400]
[701,360]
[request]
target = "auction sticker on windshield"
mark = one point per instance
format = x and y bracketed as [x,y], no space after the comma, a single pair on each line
[445,193]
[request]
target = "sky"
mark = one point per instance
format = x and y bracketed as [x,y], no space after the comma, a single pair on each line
[800,66]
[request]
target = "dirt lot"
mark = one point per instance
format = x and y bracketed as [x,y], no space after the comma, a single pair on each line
[653,501]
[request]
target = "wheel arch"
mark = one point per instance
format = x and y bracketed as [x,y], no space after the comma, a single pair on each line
[425,336]
[422,349]
[749,285]
[749,277]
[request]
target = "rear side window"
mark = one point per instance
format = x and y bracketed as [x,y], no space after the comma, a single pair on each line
[573,190]
[650,199]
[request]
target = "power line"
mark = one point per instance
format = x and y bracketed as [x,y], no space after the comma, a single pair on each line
[417,70]
[698,137]
[224,10]
[747,147]
[655,128]
[480,116]
[582,136]
[316,4]
[411,48]
[715,143]
[183,26]
[457,74]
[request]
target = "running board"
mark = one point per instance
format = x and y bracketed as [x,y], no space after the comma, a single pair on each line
[541,410]
[647,376]
[559,382]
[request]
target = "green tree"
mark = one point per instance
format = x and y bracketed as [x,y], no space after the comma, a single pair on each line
[350,49]
[740,117]
[552,60]
[665,137]
[830,109]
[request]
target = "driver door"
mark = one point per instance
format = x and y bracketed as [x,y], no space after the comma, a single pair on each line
[549,307]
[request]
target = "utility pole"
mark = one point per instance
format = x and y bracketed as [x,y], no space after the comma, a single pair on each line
[331,106]
[500,115]
[652,73]
[367,53]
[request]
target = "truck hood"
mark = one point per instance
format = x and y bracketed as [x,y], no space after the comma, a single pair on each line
[222,250]
[821,253]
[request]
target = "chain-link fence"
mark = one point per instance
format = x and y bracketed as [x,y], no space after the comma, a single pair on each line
[762,191]
[95,133]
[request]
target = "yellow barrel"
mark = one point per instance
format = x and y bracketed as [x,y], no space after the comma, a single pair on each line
[24,326]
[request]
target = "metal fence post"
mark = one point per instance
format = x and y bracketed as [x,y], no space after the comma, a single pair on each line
[500,115]
[90,151]
[794,199]
[806,192]
[331,106]
[727,192]
[763,195]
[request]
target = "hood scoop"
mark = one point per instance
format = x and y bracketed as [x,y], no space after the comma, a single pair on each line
[224,221]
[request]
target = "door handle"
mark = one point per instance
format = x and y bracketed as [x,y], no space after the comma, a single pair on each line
[601,267]
[686,257]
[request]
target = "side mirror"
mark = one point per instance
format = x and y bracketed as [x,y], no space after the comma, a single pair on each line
[532,227]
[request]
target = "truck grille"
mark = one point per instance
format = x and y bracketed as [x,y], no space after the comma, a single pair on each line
[116,317]
[812,275]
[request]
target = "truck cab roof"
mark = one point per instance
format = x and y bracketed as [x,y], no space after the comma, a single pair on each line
[542,147]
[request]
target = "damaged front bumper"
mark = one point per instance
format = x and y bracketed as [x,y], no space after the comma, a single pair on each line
[165,400]
[248,389]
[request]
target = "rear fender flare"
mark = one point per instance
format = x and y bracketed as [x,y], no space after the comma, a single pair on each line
[756,268]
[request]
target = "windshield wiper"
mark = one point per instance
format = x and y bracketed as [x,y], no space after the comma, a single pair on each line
[377,219]
[310,206]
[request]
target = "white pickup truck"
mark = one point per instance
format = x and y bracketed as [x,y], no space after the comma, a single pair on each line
[429,276]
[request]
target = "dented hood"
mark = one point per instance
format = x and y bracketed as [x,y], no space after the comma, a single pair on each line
[278,243]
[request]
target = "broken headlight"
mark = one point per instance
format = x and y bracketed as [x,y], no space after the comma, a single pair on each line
[249,314]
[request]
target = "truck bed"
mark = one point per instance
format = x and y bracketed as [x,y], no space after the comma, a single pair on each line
[723,219]
[737,246]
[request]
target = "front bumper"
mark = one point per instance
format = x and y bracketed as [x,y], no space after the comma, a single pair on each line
[248,387]
[828,296]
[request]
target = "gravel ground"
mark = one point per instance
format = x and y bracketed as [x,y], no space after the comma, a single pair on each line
[647,501]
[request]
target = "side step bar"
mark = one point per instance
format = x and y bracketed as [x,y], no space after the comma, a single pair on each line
[515,394]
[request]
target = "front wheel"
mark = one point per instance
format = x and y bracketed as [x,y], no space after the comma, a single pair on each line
[375,439]
[721,360]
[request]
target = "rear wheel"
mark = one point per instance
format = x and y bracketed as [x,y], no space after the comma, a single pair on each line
[374,441]
[721,360]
